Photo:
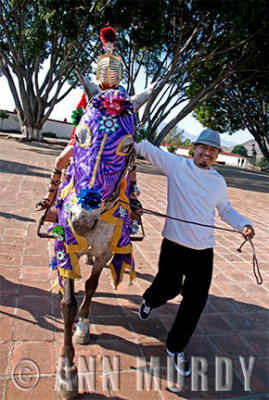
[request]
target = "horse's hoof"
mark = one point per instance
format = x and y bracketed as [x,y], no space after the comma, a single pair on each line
[82,332]
[81,339]
[68,385]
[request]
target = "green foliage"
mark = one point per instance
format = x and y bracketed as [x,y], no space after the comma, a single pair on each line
[184,45]
[171,148]
[186,142]
[263,163]
[174,137]
[191,152]
[243,102]
[4,114]
[49,134]
[240,149]
[140,135]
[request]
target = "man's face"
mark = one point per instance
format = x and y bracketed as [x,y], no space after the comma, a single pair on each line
[204,155]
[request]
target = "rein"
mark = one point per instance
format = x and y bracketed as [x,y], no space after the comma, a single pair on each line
[256,269]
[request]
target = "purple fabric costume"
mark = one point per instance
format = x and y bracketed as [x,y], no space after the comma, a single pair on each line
[99,157]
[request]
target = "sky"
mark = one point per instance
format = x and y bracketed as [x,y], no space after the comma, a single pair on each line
[64,110]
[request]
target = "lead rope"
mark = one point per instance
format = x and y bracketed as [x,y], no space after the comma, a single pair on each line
[255,264]
[256,268]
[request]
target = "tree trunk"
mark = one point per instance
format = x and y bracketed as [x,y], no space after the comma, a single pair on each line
[262,142]
[31,133]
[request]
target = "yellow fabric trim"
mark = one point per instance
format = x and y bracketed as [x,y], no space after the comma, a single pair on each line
[123,196]
[55,283]
[75,248]
[120,153]
[125,266]
[68,189]
[98,159]
[75,272]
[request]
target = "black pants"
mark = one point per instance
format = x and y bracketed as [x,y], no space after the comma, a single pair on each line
[186,271]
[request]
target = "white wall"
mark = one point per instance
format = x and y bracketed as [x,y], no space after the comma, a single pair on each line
[64,130]
[10,123]
[61,128]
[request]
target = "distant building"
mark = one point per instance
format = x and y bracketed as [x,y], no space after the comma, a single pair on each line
[224,158]
[63,129]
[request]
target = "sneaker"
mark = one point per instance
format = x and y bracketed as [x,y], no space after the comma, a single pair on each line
[144,311]
[170,353]
[181,363]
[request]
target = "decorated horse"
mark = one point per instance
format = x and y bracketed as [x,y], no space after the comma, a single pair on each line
[94,215]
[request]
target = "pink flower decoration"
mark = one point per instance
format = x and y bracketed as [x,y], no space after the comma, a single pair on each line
[114,105]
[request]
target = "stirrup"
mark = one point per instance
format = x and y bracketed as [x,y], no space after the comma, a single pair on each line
[50,215]
[134,238]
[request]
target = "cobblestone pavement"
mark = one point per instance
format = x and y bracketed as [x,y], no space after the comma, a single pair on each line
[234,323]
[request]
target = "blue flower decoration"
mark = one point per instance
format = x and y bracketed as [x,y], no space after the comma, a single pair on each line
[53,263]
[89,198]
[59,203]
[134,227]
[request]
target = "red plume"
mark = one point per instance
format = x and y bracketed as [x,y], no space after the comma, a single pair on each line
[108,34]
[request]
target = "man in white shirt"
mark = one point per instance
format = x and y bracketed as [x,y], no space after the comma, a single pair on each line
[195,190]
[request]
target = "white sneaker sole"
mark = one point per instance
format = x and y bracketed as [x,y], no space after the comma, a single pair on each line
[142,319]
[171,354]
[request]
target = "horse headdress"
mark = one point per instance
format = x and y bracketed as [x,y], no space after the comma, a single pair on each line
[93,217]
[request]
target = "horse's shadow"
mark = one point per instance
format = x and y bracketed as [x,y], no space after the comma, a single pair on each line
[29,299]
[247,322]
[18,168]
[112,313]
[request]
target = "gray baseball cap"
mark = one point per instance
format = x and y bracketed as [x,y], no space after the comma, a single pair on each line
[210,138]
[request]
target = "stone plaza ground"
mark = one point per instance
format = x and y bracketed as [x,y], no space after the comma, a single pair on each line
[232,331]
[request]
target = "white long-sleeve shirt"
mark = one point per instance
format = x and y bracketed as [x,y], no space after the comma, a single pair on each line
[193,195]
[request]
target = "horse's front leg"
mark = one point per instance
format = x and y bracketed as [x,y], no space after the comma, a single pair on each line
[82,333]
[68,380]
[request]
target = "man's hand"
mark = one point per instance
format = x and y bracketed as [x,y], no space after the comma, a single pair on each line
[248,232]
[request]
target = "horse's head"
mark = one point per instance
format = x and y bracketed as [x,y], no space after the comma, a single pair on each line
[102,153]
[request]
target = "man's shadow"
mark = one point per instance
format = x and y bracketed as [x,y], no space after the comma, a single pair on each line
[235,327]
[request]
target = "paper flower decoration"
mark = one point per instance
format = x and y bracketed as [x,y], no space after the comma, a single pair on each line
[141,134]
[58,233]
[89,198]
[113,104]
[76,116]
[122,211]
[60,255]
[53,263]
[108,124]
[134,227]
[59,204]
